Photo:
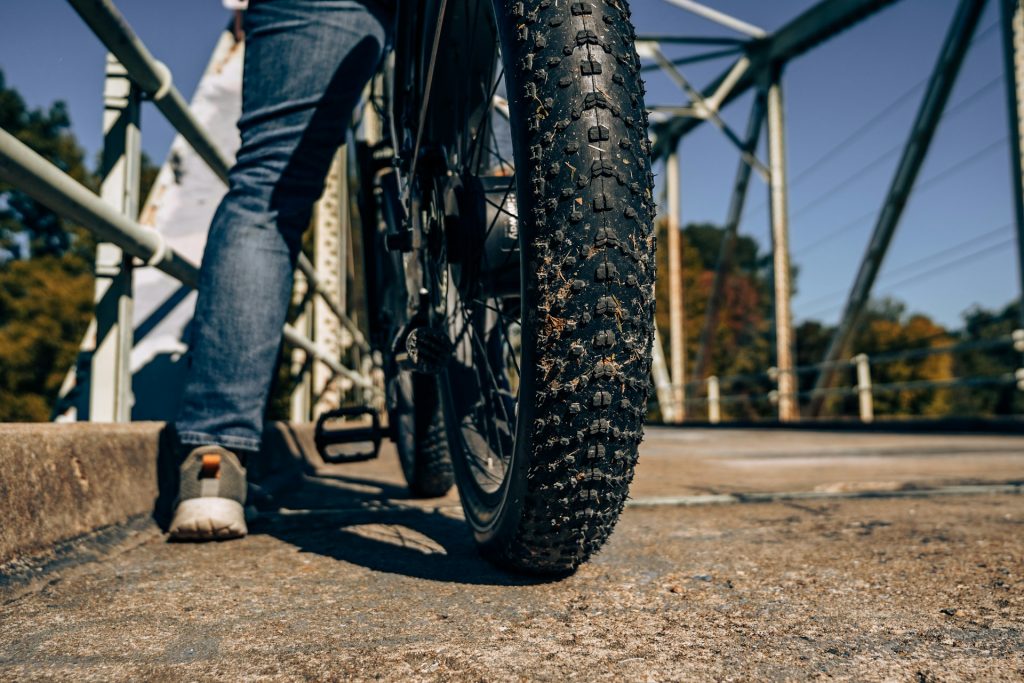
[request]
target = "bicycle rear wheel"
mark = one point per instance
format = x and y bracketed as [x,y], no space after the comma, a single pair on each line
[419,434]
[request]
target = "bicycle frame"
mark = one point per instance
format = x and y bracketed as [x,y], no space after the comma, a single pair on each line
[389,174]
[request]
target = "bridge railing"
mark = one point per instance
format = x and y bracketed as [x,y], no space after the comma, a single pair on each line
[712,404]
[133,74]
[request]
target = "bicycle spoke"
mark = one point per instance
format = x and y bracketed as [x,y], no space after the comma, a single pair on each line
[485,121]
[487,366]
[504,331]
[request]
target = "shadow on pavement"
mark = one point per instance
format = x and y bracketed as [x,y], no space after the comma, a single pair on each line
[368,520]
[424,544]
[364,520]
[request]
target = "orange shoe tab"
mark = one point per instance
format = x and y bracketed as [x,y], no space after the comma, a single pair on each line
[211,466]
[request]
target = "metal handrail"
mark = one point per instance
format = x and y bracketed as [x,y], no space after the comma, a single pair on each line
[155,79]
[991,380]
[47,184]
[151,75]
[879,359]
[864,387]
[22,167]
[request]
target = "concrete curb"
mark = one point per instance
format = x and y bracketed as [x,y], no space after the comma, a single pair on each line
[59,481]
[62,481]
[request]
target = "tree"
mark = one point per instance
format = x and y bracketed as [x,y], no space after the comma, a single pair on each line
[1000,361]
[48,132]
[885,329]
[740,344]
[46,263]
[888,329]
[46,293]
[45,307]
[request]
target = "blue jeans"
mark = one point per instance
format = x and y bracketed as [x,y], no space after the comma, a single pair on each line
[306,63]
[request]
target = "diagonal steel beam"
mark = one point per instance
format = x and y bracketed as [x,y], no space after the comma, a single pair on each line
[816,25]
[940,84]
[691,59]
[728,245]
[736,43]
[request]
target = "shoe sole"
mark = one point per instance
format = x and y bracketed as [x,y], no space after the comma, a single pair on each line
[208,519]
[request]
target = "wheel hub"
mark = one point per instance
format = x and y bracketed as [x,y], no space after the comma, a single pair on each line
[481,221]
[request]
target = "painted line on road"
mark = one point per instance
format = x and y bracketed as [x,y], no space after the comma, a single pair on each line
[671,501]
[776,496]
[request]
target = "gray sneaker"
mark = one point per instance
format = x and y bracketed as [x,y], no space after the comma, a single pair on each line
[211,496]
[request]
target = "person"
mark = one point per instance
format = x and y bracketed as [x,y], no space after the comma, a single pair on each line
[306,65]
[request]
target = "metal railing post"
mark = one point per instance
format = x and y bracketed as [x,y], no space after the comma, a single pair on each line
[773,395]
[110,383]
[714,400]
[1018,346]
[662,381]
[864,394]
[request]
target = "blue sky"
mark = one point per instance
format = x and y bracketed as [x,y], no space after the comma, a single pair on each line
[953,249]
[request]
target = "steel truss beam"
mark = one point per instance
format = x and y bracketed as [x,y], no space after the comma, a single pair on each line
[676,309]
[816,25]
[779,202]
[720,18]
[707,107]
[954,48]
[737,43]
[1013,54]
[691,59]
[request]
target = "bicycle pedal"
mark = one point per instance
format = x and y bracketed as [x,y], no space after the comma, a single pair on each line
[337,443]
[427,351]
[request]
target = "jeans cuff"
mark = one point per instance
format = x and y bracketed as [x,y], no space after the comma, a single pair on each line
[227,441]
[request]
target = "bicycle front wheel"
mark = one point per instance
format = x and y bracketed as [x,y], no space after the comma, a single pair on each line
[544,281]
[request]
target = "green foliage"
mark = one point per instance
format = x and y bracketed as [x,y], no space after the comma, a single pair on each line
[48,132]
[706,240]
[885,328]
[742,342]
[741,336]
[45,307]
[1004,399]
[45,300]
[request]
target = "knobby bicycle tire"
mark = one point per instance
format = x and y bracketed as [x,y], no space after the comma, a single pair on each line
[585,207]
[420,436]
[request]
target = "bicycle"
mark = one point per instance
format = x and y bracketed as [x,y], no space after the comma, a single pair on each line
[506,215]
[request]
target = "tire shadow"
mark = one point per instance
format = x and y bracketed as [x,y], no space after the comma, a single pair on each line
[370,521]
[407,541]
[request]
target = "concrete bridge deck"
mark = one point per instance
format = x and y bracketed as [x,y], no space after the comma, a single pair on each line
[866,556]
